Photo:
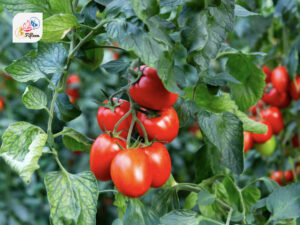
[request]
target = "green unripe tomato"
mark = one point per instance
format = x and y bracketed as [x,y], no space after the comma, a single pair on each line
[199,135]
[266,149]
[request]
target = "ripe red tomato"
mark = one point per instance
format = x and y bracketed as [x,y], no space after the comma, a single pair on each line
[276,98]
[160,163]
[162,128]
[280,79]
[278,176]
[1,104]
[150,92]
[288,175]
[274,117]
[131,172]
[107,118]
[73,79]
[293,90]
[74,93]
[248,141]
[261,138]
[253,109]
[103,151]
[295,141]
[116,56]
[268,73]
[284,100]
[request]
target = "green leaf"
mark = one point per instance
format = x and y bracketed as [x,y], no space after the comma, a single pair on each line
[223,103]
[252,79]
[225,131]
[242,12]
[22,145]
[49,59]
[138,214]
[16,6]
[220,79]
[145,9]
[186,110]
[180,217]
[94,57]
[291,61]
[250,195]
[121,203]
[284,202]
[118,66]
[34,98]
[76,141]
[73,198]
[205,198]
[204,31]
[207,162]
[57,26]
[65,110]
[58,6]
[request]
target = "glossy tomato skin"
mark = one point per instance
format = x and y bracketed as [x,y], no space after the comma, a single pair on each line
[271,97]
[74,93]
[164,128]
[160,163]
[278,176]
[267,148]
[288,175]
[1,104]
[131,172]
[103,151]
[295,94]
[261,138]
[295,141]
[268,73]
[107,118]
[248,141]
[150,92]
[280,79]
[274,117]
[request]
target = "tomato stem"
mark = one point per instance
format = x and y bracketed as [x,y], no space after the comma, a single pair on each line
[144,132]
[120,121]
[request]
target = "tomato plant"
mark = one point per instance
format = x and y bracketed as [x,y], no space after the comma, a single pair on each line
[148,112]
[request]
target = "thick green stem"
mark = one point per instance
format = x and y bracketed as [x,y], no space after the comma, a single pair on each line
[121,120]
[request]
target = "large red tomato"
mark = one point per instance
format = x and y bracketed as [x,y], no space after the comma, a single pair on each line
[1,104]
[248,141]
[150,92]
[160,162]
[278,176]
[103,151]
[293,90]
[274,117]
[107,118]
[268,73]
[161,128]
[261,138]
[280,79]
[131,172]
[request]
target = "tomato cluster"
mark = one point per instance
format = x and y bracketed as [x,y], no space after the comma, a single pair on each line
[282,178]
[73,83]
[135,167]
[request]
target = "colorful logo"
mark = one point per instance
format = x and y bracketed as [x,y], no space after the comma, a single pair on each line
[27,27]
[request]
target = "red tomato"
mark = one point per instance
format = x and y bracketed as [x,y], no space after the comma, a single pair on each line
[150,92]
[274,117]
[115,56]
[248,141]
[280,79]
[278,176]
[74,93]
[289,176]
[268,73]
[284,101]
[131,172]
[77,152]
[253,109]
[261,138]
[1,104]
[162,128]
[293,90]
[107,118]
[73,79]
[160,163]
[276,98]
[295,141]
[103,151]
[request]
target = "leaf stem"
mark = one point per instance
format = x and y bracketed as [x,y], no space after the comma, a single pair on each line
[108,190]
[58,161]
[211,220]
